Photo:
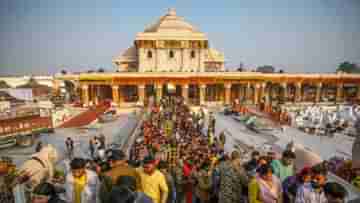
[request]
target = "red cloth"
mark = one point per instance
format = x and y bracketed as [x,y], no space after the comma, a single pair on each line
[187,171]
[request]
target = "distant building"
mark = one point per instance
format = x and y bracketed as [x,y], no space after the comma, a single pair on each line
[171,57]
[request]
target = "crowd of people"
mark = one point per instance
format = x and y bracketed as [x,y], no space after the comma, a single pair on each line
[178,158]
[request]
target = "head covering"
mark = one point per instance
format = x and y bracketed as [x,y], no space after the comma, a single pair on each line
[149,160]
[116,155]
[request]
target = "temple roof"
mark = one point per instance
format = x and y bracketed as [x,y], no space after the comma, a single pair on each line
[171,23]
[171,26]
[128,55]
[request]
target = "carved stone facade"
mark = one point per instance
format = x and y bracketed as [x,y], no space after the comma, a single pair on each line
[170,45]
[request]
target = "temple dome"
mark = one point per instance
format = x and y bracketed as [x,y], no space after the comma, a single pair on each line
[171,23]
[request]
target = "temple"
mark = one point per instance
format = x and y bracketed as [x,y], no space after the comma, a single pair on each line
[172,57]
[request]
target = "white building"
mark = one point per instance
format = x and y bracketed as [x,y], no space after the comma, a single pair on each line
[170,45]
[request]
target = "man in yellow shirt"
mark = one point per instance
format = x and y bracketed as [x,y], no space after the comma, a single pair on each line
[153,182]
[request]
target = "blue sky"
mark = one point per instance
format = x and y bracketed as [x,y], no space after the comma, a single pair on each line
[43,37]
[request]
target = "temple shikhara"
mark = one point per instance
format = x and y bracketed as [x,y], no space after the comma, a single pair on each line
[172,57]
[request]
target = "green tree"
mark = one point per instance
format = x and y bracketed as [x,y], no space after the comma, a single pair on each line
[348,67]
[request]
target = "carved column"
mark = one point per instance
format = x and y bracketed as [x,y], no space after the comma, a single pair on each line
[256,93]
[115,93]
[85,94]
[339,93]
[202,94]
[227,93]
[318,92]
[263,92]
[285,92]
[141,92]
[247,93]
[185,93]
[298,95]
[158,92]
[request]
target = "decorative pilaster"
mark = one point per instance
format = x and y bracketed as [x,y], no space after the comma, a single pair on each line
[141,92]
[185,93]
[115,93]
[202,94]
[339,93]
[298,95]
[85,94]
[318,92]
[227,93]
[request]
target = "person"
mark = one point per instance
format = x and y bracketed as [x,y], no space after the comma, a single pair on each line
[153,182]
[255,155]
[292,183]
[253,185]
[269,185]
[164,169]
[284,168]
[312,192]
[102,141]
[6,193]
[335,192]
[124,191]
[204,183]
[45,193]
[92,147]
[81,185]
[69,147]
[119,168]
[356,180]
[38,146]
[232,179]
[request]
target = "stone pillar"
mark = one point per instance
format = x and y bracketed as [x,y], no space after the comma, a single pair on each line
[263,93]
[241,92]
[202,94]
[141,92]
[227,93]
[285,93]
[318,92]
[121,98]
[115,93]
[339,93]
[298,95]
[256,93]
[158,92]
[185,93]
[85,94]
[247,93]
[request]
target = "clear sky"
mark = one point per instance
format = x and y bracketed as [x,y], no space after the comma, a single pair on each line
[45,36]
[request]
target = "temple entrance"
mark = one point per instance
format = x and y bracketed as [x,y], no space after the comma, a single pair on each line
[194,95]
[150,92]
[100,93]
[129,93]
[350,92]
[171,90]
[214,92]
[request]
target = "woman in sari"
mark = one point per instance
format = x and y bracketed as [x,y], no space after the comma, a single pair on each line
[269,185]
